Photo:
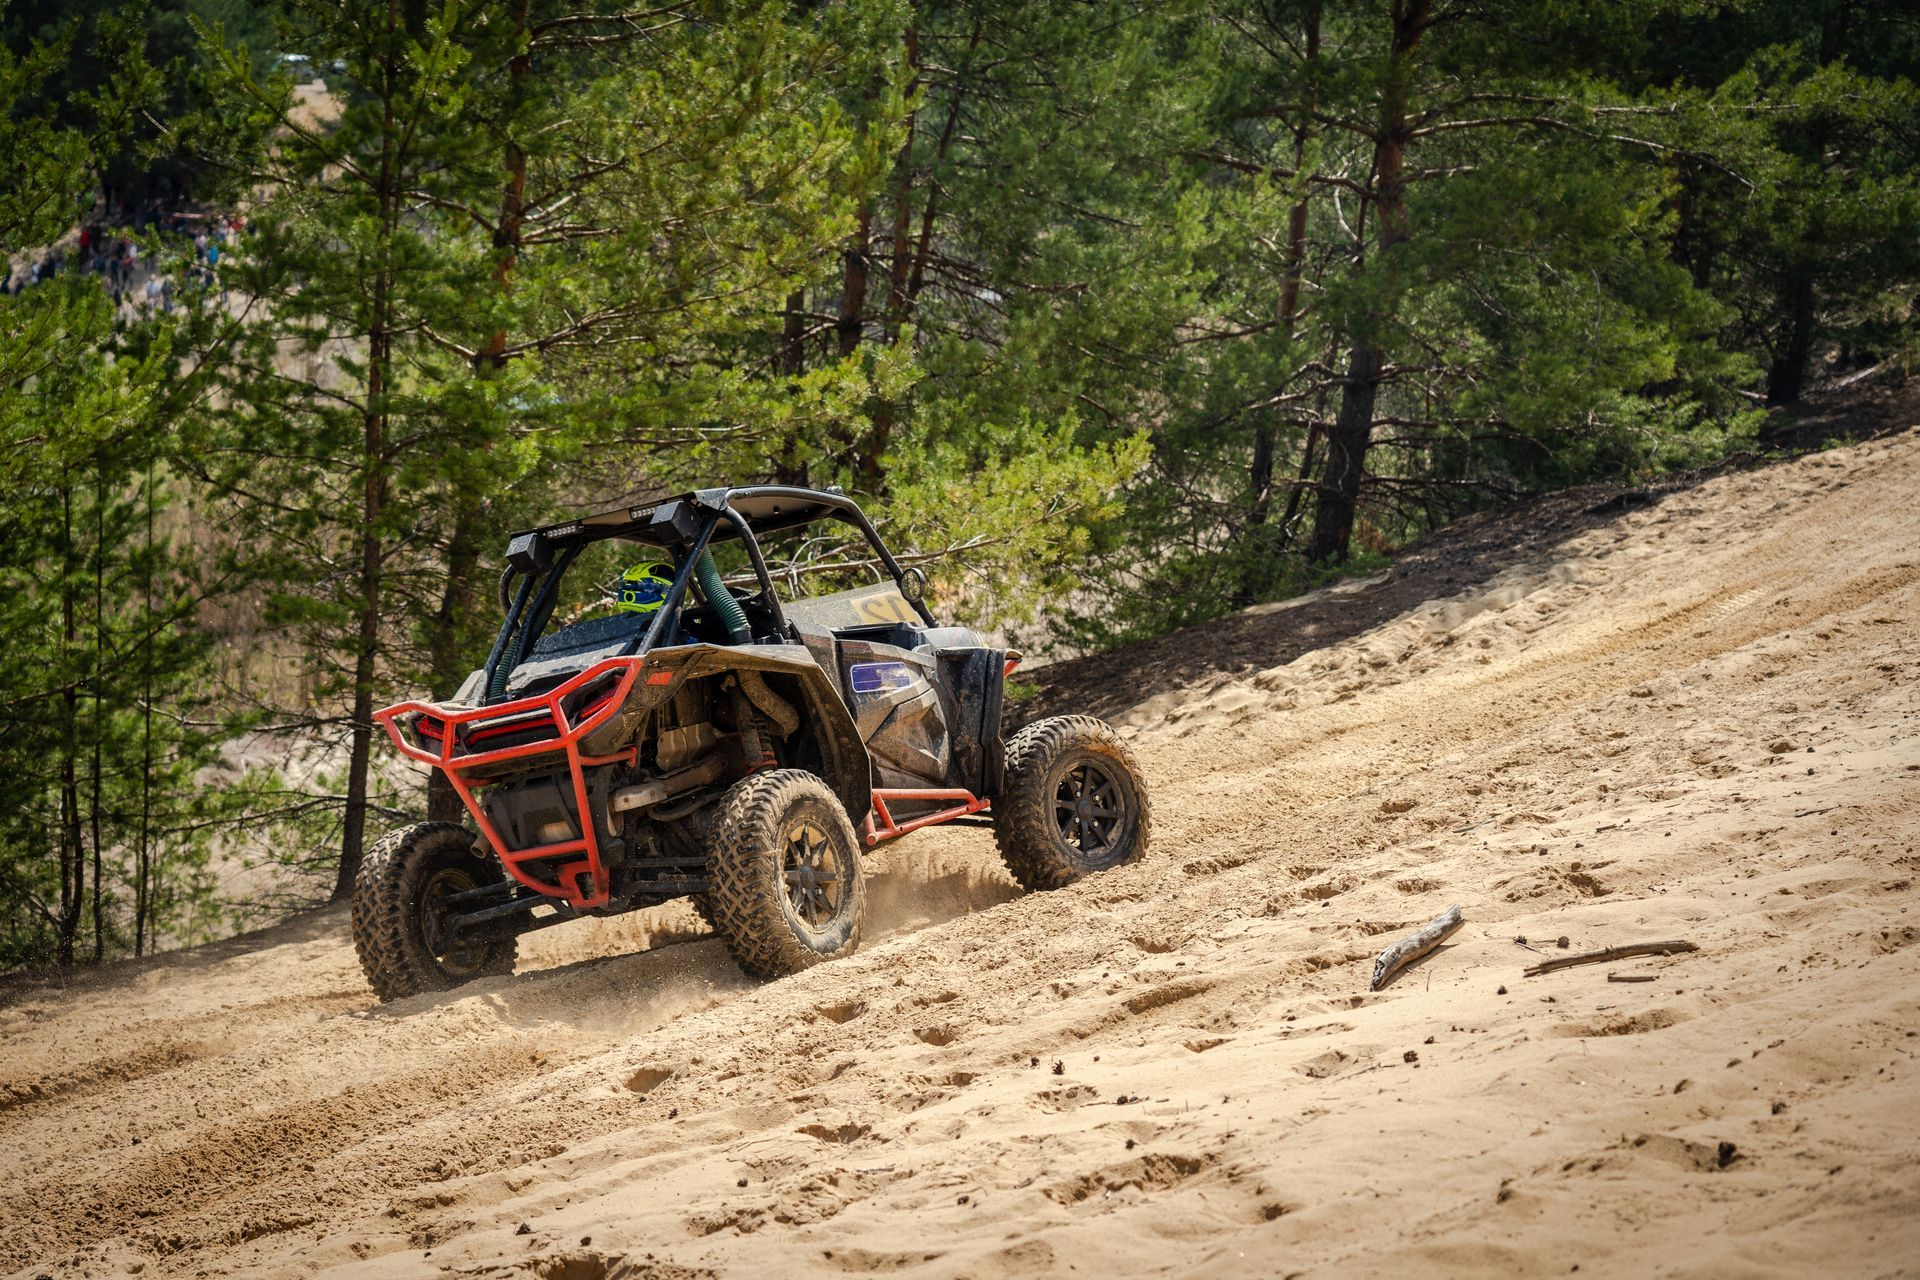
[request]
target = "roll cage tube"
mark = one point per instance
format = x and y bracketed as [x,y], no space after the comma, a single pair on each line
[759,563]
[847,510]
[520,630]
[689,568]
[715,505]
[506,628]
[513,633]
[670,607]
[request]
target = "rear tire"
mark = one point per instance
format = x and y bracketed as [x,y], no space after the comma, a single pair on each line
[1073,803]
[786,888]
[399,926]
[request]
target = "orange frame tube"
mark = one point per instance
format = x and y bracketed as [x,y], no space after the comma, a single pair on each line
[567,884]
[887,829]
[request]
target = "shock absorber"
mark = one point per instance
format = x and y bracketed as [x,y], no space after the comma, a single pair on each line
[753,740]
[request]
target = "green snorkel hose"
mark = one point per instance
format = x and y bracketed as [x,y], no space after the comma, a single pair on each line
[722,599]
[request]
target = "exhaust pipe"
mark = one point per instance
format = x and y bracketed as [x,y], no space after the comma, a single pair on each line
[646,794]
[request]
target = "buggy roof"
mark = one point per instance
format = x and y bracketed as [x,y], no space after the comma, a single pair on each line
[676,521]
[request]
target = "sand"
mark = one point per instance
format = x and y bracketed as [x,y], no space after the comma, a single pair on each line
[1695,720]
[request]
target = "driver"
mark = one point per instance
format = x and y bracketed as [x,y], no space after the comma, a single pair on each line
[643,588]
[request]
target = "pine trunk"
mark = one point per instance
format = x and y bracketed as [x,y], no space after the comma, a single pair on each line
[143,855]
[1352,432]
[1787,375]
[853,294]
[446,664]
[1261,474]
[73,867]
[97,778]
[373,498]
[1262,569]
[367,646]
[792,359]
[1347,443]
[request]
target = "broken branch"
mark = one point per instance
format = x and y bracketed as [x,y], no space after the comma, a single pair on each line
[1611,953]
[1413,946]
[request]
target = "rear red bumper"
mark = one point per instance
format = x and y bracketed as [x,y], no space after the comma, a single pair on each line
[460,735]
[453,740]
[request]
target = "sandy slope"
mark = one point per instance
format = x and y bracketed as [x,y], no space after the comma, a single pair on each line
[1697,721]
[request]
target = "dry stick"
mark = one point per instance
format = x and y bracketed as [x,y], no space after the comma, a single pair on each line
[1611,953]
[1413,946]
[1631,977]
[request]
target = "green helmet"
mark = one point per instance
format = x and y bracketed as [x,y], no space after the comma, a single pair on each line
[643,588]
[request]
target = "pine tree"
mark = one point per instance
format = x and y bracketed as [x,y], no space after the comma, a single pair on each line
[513,273]
[1815,210]
[1443,276]
[104,719]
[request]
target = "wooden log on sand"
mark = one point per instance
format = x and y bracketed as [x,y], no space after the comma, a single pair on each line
[1413,946]
[1611,953]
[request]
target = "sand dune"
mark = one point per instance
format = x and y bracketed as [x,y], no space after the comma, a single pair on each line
[1699,720]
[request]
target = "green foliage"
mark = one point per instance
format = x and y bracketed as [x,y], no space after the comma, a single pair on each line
[131,50]
[1007,529]
[1020,692]
[1544,282]
[105,721]
[1118,316]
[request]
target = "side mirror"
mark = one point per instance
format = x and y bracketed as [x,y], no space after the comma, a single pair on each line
[913,584]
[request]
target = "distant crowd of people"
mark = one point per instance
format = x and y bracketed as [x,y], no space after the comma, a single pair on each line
[198,242]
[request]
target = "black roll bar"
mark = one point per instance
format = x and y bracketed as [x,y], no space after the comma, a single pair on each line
[759,561]
[717,505]
[848,510]
[670,607]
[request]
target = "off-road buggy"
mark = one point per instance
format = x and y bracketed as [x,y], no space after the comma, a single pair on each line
[722,747]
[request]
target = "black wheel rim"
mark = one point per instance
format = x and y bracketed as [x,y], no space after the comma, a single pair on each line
[1089,808]
[815,875]
[456,959]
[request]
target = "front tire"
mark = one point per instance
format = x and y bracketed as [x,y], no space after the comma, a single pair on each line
[786,888]
[1073,803]
[400,922]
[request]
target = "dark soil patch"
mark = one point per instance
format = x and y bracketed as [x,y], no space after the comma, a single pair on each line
[1880,403]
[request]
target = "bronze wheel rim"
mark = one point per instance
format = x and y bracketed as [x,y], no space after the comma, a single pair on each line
[458,959]
[815,875]
[1089,810]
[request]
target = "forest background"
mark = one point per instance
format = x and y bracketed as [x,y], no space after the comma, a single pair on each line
[1117,315]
